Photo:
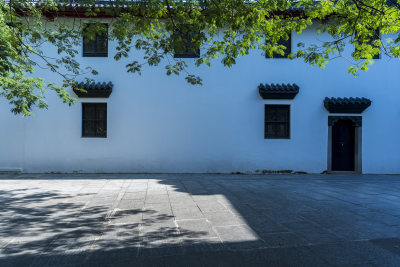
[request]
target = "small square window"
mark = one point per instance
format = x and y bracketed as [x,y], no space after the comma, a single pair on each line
[95,45]
[288,44]
[277,122]
[184,46]
[94,119]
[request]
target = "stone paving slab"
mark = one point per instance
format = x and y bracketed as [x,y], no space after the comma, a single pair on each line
[199,220]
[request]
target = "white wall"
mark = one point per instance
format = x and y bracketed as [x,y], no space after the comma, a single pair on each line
[11,139]
[162,124]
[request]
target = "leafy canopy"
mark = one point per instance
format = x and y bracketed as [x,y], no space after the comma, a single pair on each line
[223,29]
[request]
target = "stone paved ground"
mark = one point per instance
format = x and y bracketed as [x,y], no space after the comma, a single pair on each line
[199,220]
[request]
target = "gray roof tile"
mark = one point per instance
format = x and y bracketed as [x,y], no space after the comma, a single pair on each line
[346,104]
[98,90]
[278,91]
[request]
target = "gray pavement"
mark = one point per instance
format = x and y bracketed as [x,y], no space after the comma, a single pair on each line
[199,220]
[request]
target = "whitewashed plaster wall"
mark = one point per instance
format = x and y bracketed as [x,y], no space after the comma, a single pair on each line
[162,124]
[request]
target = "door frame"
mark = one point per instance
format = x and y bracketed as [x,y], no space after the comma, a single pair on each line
[357,122]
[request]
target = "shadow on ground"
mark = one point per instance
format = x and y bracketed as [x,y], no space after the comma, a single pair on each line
[199,220]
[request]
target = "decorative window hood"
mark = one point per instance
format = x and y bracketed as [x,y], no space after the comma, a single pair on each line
[346,105]
[96,90]
[278,91]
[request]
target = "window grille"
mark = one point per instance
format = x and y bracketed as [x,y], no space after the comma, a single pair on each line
[277,122]
[94,119]
[97,45]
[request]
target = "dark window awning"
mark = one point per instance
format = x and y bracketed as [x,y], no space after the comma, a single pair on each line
[346,104]
[97,90]
[278,91]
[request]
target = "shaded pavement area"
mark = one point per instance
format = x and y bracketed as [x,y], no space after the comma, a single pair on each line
[199,220]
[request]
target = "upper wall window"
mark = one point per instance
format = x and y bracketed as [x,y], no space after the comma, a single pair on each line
[184,46]
[277,122]
[375,36]
[288,44]
[94,119]
[95,44]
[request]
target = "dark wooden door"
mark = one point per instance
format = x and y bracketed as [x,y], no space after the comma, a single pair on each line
[343,133]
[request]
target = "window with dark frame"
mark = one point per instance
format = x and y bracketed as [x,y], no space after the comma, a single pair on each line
[94,119]
[277,122]
[376,36]
[185,47]
[288,44]
[96,46]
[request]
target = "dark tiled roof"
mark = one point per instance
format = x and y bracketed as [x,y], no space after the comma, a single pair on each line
[77,8]
[97,3]
[94,89]
[112,3]
[278,91]
[72,3]
[346,104]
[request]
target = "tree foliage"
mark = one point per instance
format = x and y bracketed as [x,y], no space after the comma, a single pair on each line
[223,29]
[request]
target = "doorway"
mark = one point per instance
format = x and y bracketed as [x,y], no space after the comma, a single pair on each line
[344,148]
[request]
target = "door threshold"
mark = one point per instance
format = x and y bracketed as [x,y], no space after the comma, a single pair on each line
[343,172]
